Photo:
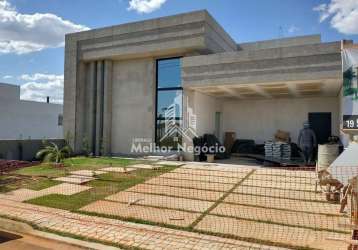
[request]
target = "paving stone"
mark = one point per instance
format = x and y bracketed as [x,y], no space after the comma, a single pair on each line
[177,191]
[190,184]
[75,179]
[143,166]
[273,233]
[288,173]
[280,193]
[230,174]
[89,173]
[213,167]
[281,185]
[278,203]
[206,178]
[64,189]
[115,231]
[315,221]
[118,169]
[159,215]
[22,194]
[170,163]
[284,179]
[161,201]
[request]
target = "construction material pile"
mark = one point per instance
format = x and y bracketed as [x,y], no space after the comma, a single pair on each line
[278,150]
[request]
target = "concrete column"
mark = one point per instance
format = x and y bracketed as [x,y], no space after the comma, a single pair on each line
[99,109]
[80,108]
[92,106]
[107,109]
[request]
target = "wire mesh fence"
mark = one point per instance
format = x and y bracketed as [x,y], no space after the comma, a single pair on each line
[260,206]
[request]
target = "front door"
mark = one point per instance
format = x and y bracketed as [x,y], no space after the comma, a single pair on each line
[321,124]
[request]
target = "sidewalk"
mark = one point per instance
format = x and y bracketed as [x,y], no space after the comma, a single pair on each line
[115,231]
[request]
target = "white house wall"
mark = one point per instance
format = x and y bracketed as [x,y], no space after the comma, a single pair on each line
[27,119]
[260,119]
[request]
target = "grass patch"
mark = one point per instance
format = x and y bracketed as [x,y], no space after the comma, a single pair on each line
[73,164]
[107,184]
[12,182]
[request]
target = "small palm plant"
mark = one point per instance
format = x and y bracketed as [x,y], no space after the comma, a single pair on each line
[52,153]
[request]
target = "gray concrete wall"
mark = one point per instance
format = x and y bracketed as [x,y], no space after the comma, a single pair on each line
[133,103]
[281,42]
[23,149]
[27,119]
[307,62]
[190,33]
[260,119]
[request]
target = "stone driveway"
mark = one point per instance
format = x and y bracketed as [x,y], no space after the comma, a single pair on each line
[117,232]
[270,206]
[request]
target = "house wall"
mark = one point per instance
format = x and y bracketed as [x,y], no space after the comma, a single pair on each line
[27,119]
[260,119]
[133,103]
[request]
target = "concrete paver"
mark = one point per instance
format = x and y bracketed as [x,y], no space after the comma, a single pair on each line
[177,191]
[283,217]
[278,203]
[190,184]
[159,215]
[118,169]
[89,173]
[75,179]
[287,173]
[64,189]
[230,174]
[170,163]
[205,178]
[143,166]
[282,185]
[120,232]
[273,233]
[222,168]
[284,179]
[161,201]
[280,193]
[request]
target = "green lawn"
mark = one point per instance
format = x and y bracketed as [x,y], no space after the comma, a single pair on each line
[106,185]
[73,164]
[40,176]
[12,182]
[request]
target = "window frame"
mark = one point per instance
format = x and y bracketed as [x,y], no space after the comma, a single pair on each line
[158,89]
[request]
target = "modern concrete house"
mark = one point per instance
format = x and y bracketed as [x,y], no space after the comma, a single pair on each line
[21,120]
[121,82]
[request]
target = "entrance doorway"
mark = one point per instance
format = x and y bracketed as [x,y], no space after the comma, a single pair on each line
[321,124]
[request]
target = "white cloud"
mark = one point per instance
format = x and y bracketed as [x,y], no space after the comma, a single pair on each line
[25,33]
[145,6]
[343,15]
[293,29]
[7,77]
[39,86]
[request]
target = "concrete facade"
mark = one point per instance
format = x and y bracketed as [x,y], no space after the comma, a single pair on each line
[27,119]
[110,80]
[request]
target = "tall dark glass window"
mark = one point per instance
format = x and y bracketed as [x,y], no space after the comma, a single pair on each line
[169,102]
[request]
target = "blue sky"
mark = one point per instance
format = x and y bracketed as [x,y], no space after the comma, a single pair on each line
[34,57]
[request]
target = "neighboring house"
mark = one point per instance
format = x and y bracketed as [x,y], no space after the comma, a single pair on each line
[20,119]
[121,80]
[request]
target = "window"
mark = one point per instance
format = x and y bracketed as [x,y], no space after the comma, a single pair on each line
[60,120]
[169,103]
